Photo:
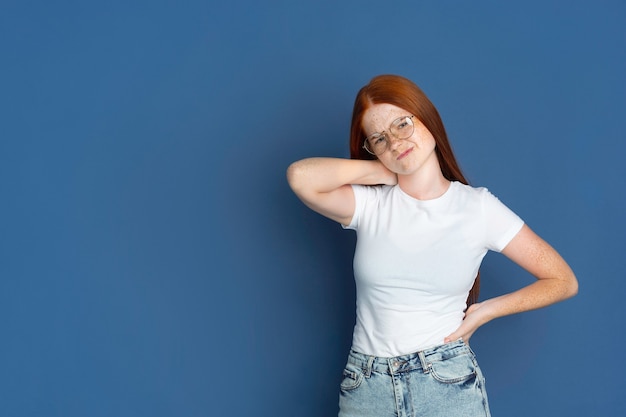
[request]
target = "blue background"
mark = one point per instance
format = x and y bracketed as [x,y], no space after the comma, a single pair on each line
[154,262]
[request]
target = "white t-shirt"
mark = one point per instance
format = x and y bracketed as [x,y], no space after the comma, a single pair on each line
[416,260]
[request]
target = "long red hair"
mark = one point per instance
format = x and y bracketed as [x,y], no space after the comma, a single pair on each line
[403,93]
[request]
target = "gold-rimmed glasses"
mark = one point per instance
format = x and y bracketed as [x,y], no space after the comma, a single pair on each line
[378,143]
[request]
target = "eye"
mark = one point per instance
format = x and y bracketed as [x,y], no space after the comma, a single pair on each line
[377,140]
[402,123]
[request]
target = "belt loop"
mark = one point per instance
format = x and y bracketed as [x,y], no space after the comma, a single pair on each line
[370,364]
[425,365]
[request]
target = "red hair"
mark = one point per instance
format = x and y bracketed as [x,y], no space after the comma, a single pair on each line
[403,93]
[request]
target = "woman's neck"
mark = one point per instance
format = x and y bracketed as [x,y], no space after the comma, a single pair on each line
[424,186]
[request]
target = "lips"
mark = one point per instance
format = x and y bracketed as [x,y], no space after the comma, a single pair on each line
[403,154]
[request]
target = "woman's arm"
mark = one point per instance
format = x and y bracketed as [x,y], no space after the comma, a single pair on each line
[555,282]
[323,184]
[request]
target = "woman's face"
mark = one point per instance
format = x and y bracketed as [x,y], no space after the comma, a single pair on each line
[403,156]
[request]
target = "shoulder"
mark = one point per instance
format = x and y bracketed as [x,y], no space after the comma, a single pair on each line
[466,193]
[470,192]
[466,189]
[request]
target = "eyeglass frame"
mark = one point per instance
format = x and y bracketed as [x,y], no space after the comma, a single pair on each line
[385,135]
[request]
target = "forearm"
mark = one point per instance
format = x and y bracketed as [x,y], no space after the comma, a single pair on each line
[541,293]
[322,175]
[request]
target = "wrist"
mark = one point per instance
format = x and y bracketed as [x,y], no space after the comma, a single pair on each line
[384,175]
[487,311]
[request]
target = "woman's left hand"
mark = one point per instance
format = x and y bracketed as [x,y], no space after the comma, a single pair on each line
[472,321]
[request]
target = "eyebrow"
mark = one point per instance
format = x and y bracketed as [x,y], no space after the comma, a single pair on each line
[393,120]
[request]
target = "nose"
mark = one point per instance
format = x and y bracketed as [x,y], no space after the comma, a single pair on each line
[393,141]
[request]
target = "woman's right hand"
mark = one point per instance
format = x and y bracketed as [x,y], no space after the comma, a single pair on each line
[387,177]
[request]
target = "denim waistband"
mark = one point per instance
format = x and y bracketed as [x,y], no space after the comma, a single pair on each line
[409,362]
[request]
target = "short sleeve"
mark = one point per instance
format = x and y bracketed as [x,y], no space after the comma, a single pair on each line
[359,201]
[501,223]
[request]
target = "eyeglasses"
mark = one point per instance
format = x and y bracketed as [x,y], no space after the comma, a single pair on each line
[378,143]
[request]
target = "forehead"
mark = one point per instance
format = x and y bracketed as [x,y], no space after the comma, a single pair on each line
[379,116]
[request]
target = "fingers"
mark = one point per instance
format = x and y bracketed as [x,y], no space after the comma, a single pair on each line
[467,327]
[452,338]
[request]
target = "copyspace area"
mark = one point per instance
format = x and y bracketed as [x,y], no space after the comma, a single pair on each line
[153,261]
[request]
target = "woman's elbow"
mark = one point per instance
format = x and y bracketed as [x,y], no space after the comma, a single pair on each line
[570,286]
[574,287]
[294,175]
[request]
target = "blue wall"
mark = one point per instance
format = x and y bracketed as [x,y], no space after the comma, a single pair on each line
[153,261]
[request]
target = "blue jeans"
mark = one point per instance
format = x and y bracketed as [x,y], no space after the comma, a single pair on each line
[444,381]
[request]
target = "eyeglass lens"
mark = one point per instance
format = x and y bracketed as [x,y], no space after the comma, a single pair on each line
[400,128]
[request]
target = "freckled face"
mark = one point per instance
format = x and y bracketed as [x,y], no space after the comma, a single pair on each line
[403,156]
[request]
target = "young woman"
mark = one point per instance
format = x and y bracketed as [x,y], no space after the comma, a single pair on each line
[422,233]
